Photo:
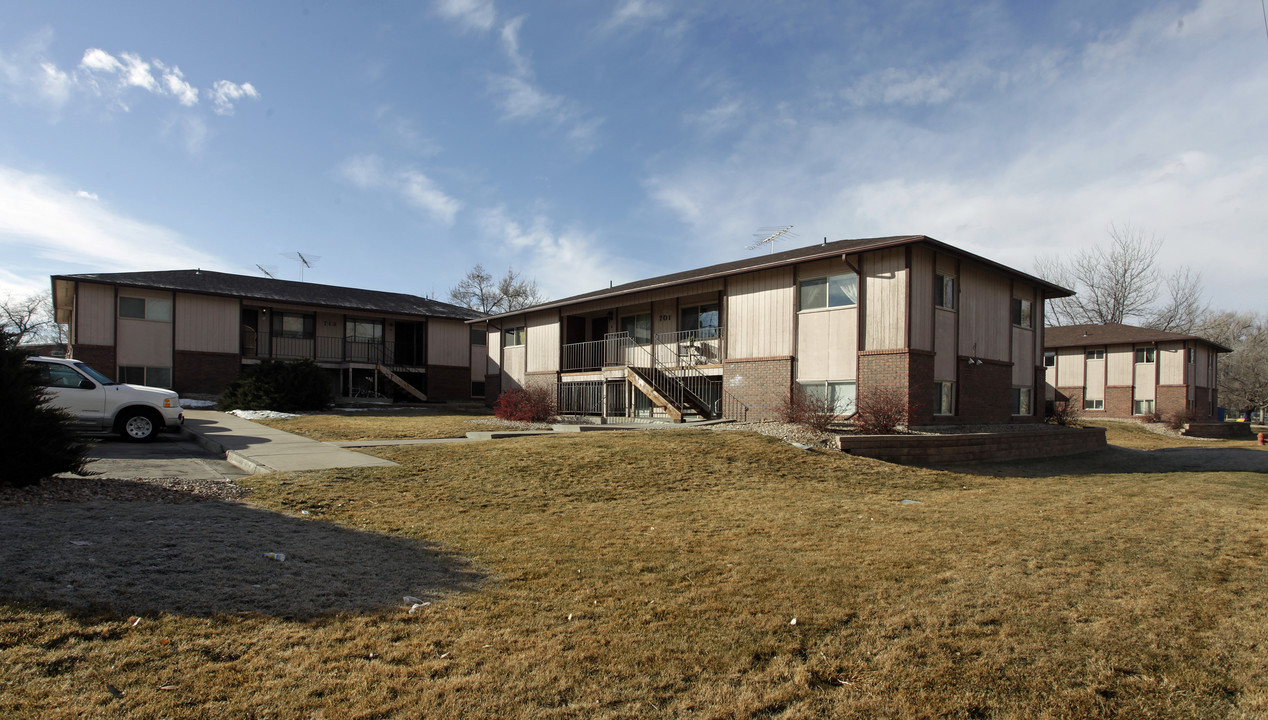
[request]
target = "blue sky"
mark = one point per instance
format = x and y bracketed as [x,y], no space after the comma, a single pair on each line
[583,142]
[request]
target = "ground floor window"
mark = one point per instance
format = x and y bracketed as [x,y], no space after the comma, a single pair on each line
[477,388]
[943,397]
[837,395]
[1142,407]
[151,376]
[1021,401]
[1089,404]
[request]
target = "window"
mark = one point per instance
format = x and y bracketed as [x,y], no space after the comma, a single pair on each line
[944,291]
[839,396]
[294,326]
[151,376]
[700,319]
[1021,401]
[477,388]
[1049,359]
[513,336]
[479,336]
[1144,355]
[828,292]
[1142,407]
[1021,313]
[943,398]
[1093,404]
[366,331]
[58,376]
[145,309]
[1191,355]
[1096,354]
[638,327]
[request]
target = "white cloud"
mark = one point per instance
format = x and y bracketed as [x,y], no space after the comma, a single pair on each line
[511,46]
[522,100]
[225,93]
[174,83]
[470,14]
[368,173]
[49,229]
[86,195]
[98,60]
[636,12]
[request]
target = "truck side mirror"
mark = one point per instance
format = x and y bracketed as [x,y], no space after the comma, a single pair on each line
[87,385]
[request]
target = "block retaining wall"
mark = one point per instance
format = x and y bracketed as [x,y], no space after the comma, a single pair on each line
[1227,430]
[974,447]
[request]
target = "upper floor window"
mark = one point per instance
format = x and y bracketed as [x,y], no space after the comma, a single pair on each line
[145,309]
[638,327]
[1049,359]
[1096,354]
[944,291]
[363,330]
[828,292]
[479,336]
[1022,313]
[1144,355]
[1191,354]
[700,319]
[512,336]
[294,326]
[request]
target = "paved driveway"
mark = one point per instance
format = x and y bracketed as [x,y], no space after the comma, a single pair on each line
[169,456]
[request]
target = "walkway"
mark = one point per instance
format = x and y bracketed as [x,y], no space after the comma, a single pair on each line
[257,449]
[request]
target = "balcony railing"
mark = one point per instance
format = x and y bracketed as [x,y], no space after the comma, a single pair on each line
[262,345]
[687,348]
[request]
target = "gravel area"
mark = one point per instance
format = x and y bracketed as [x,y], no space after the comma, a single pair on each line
[787,432]
[64,489]
[513,424]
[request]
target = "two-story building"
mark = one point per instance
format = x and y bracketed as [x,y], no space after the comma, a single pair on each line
[960,337]
[1123,371]
[194,331]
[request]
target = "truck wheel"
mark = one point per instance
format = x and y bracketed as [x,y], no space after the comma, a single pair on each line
[138,426]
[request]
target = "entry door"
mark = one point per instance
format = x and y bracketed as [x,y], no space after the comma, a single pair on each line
[411,343]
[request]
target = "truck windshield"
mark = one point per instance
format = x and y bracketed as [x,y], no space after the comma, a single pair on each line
[93,374]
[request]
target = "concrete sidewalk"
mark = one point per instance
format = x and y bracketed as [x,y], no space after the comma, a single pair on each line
[258,449]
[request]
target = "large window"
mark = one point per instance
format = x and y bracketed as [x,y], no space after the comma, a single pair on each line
[151,376]
[639,327]
[1021,401]
[294,326]
[513,336]
[828,292]
[1144,355]
[944,291]
[701,320]
[1022,313]
[366,331]
[145,309]
[1093,404]
[839,396]
[1142,407]
[943,398]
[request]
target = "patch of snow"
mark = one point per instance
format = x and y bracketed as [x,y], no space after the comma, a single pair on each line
[188,403]
[377,409]
[262,414]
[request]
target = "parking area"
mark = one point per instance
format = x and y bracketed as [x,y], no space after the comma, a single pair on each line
[170,455]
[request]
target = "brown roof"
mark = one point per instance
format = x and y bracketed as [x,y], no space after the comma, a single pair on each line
[787,257]
[1114,334]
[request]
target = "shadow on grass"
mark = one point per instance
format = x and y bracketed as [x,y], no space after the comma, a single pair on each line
[1118,460]
[202,558]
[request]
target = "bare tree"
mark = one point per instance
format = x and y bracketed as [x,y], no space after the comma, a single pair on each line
[1242,378]
[30,319]
[1120,283]
[478,291]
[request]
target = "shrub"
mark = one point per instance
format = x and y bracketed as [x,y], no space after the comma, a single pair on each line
[1066,413]
[1152,417]
[277,385]
[1177,419]
[802,408]
[881,411]
[532,404]
[36,440]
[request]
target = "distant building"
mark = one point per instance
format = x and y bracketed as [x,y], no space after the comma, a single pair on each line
[959,337]
[194,331]
[1123,371]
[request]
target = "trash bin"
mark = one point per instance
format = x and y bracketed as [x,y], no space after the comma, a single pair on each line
[1219,414]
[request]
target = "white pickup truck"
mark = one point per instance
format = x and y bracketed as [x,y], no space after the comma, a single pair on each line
[136,412]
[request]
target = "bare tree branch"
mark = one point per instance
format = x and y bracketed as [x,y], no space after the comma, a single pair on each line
[478,291]
[30,319]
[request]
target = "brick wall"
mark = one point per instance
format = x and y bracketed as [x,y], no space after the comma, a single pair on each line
[1118,401]
[206,373]
[985,392]
[910,373]
[100,357]
[761,385]
[975,447]
[1074,396]
[1170,398]
[448,383]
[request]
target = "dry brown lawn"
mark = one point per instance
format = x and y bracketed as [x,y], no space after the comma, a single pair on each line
[628,575]
[424,423]
[1130,434]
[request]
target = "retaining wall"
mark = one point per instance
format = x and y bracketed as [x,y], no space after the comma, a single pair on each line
[974,447]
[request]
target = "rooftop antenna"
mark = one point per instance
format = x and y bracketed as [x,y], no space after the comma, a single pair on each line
[770,235]
[305,261]
[267,270]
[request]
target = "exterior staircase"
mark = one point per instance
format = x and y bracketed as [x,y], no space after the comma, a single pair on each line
[668,392]
[400,382]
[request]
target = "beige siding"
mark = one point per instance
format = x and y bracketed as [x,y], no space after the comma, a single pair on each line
[885,299]
[760,308]
[543,341]
[1023,357]
[94,314]
[144,343]
[514,367]
[827,345]
[1201,374]
[1144,379]
[946,264]
[207,324]
[1172,359]
[330,339]
[985,313]
[664,316]
[1095,387]
[1070,363]
[479,362]
[922,311]
[675,291]
[1119,368]
[944,360]
[448,342]
[494,364]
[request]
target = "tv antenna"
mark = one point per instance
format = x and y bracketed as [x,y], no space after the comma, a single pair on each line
[305,261]
[268,270]
[770,235]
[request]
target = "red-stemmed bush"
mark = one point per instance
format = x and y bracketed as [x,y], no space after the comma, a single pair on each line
[1065,413]
[802,408]
[532,404]
[881,411]
[1177,419]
